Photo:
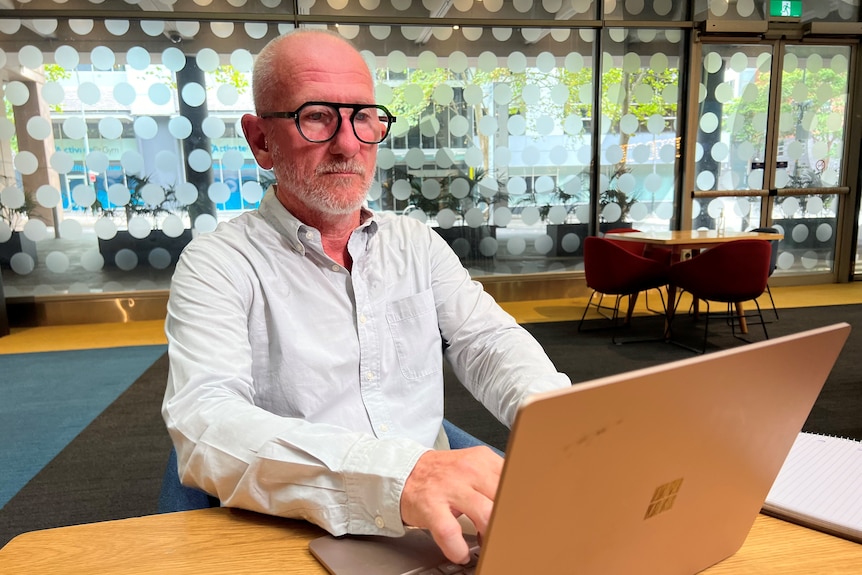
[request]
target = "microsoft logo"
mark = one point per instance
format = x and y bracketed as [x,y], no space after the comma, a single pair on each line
[663,498]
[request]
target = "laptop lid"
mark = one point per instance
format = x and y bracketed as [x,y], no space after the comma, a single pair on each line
[659,470]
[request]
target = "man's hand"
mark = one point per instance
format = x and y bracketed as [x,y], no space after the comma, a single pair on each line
[447,484]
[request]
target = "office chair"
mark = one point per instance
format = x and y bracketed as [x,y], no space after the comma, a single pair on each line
[175,496]
[732,273]
[613,270]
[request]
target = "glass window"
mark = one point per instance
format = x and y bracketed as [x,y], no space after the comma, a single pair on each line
[513,141]
[640,131]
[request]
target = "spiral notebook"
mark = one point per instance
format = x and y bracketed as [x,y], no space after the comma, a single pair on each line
[820,486]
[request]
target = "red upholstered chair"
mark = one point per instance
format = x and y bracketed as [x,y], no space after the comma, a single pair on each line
[641,249]
[636,248]
[731,273]
[612,270]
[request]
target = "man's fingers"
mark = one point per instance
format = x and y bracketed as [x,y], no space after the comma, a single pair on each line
[488,474]
[444,485]
[478,509]
[450,539]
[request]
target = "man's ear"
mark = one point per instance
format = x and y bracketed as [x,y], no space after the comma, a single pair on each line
[252,127]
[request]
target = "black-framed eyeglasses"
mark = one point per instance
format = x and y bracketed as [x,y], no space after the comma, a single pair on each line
[318,122]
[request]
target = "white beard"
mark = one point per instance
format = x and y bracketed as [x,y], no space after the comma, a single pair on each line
[336,197]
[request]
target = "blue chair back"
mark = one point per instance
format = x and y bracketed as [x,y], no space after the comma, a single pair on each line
[175,496]
[773,260]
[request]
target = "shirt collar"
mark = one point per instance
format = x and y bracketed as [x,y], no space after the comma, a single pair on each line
[289,226]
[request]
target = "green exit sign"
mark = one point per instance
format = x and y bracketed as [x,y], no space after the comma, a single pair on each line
[785,9]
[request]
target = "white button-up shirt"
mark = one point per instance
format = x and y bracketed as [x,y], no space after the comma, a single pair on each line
[300,389]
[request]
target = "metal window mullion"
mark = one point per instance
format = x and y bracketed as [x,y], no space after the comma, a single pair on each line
[595,136]
[692,111]
[774,112]
[837,190]
[849,205]
[731,194]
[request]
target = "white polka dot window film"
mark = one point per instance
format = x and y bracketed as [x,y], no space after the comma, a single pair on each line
[122,137]
[732,146]
[491,148]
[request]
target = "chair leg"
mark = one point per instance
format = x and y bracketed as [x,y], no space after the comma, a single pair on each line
[614,311]
[631,304]
[586,309]
[705,328]
[671,317]
[762,322]
[733,322]
[600,307]
[633,298]
[656,311]
[772,301]
[669,329]
[616,316]
[731,317]
[615,319]
[673,313]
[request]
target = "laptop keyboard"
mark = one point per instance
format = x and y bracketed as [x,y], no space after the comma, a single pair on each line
[451,568]
[414,554]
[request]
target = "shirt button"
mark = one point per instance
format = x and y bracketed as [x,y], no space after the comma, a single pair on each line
[384,428]
[362,318]
[335,267]
[379,522]
[308,235]
[369,376]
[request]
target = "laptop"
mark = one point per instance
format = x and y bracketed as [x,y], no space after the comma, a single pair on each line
[659,470]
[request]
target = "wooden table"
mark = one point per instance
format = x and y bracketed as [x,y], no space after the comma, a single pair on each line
[680,240]
[221,540]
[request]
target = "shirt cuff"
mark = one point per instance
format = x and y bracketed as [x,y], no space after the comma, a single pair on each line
[375,473]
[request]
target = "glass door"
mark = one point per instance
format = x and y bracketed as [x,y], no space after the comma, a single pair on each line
[769,149]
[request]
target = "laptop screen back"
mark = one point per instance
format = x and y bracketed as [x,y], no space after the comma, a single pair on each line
[660,470]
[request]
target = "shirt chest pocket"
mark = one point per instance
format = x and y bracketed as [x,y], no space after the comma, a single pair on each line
[415,335]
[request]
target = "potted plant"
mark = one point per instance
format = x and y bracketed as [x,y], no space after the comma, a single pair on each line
[459,206]
[564,197]
[614,195]
[138,206]
[14,218]
[574,199]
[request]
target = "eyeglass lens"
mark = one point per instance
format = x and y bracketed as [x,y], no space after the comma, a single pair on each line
[319,123]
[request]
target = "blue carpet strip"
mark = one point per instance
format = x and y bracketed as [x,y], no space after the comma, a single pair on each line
[46,399]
